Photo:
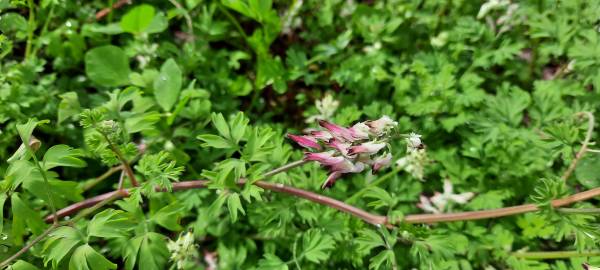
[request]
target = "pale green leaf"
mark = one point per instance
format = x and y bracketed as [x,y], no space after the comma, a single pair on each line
[63,155]
[107,66]
[86,257]
[138,19]
[68,106]
[234,205]
[168,84]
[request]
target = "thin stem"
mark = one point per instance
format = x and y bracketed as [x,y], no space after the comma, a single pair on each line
[49,16]
[584,144]
[294,258]
[584,211]
[29,245]
[102,13]
[46,182]
[106,200]
[235,23]
[114,196]
[386,176]
[186,15]
[593,150]
[102,177]
[122,159]
[120,185]
[544,255]
[110,14]
[284,168]
[30,28]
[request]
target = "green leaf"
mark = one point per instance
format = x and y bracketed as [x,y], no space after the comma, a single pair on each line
[158,24]
[23,218]
[271,262]
[381,196]
[168,84]
[110,223]
[586,171]
[68,106]
[220,124]
[168,216]
[138,19]
[22,265]
[107,66]
[25,130]
[316,246]
[3,198]
[60,243]
[153,252]
[238,127]
[131,251]
[19,172]
[214,141]
[270,71]
[160,168]
[63,155]
[12,22]
[369,239]
[234,205]
[141,122]
[86,257]
[386,256]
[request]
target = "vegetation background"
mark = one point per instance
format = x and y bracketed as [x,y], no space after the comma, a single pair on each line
[151,93]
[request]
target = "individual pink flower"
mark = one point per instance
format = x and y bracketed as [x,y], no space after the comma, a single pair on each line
[341,168]
[339,132]
[321,135]
[347,166]
[305,141]
[325,158]
[379,126]
[340,146]
[382,162]
[367,148]
[360,131]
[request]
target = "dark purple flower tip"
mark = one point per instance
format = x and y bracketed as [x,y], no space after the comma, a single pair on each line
[331,180]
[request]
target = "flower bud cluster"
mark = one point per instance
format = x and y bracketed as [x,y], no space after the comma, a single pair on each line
[416,157]
[438,202]
[182,250]
[349,150]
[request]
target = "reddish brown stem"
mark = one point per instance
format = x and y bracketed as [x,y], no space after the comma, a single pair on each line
[344,207]
[102,13]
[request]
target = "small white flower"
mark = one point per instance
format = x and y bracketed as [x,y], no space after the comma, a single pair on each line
[183,249]
[326,107]
[438,202]
[414,142]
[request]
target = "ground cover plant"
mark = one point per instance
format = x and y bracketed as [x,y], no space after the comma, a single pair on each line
[302,134]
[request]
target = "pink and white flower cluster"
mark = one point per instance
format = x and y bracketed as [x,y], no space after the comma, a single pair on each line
[438,202]
[348,150]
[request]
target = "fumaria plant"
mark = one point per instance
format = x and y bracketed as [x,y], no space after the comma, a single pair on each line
[301,134]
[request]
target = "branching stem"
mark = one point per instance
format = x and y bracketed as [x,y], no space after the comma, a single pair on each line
[124,162]
[584,144]
[29,245]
